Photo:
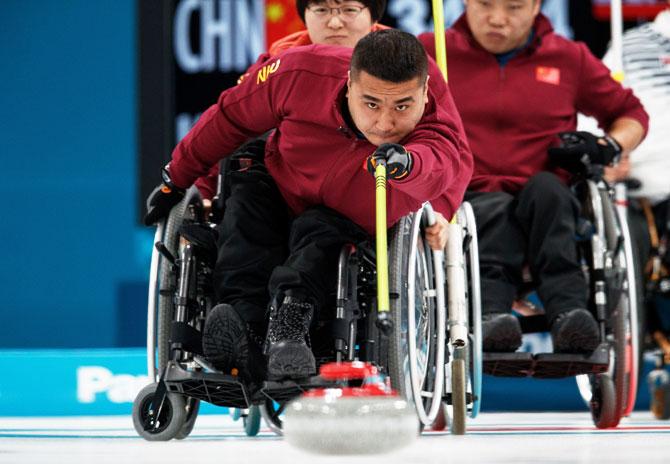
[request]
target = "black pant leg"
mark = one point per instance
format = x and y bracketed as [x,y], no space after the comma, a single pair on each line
[253,237]
[501,249]
[315,241]
[548,211]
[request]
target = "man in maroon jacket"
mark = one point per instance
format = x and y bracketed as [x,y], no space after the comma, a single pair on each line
[517,85]
[314,194]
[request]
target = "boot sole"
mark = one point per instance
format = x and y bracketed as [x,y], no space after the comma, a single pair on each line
[225,342]
[291,360]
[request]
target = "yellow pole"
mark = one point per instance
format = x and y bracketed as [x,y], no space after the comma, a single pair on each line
[440,43]
[382,249]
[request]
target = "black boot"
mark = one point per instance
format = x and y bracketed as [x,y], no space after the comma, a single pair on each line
[232,346]
[289,356]
[575,331]
[501,333]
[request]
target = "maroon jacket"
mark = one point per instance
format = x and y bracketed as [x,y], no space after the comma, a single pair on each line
[313,156]
[513,113]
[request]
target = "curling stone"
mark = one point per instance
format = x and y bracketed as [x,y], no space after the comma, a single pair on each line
[368,419]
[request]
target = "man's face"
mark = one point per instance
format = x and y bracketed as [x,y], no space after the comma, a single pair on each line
[500,26]
[336,22]
[385,112]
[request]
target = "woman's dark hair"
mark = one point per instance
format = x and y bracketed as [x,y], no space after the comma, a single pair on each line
[390,55]
[376,7]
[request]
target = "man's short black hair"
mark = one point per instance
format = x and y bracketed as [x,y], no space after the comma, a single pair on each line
[376,7]
[390,55]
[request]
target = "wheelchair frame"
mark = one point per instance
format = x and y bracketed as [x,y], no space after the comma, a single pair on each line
[184,377]
[611,244]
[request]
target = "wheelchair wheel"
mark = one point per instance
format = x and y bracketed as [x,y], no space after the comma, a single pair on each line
[166,278]
[603,402]
[625,308]
[416,347]
[192,408]
[252,421]
[170,421]
[474,362]
[634,320]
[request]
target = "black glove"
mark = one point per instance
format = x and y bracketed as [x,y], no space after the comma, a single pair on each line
[162,199]
[581,149]
[398,160]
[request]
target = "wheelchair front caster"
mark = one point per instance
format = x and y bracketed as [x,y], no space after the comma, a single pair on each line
[164,426]
[252,421]
[603,402]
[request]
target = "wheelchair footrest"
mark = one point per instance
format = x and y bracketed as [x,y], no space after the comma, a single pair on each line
[283,392]
[218,389]
[546,365]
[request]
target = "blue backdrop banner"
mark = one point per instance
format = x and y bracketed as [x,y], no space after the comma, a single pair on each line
[105,382]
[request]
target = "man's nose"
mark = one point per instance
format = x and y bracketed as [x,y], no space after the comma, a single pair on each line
[385,122]
[497,17]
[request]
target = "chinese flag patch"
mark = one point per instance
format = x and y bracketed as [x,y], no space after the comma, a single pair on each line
[548,74]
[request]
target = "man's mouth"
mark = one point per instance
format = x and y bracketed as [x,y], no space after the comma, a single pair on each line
[495,36]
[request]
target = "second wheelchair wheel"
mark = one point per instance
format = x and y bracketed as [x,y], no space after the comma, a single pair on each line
[474,364]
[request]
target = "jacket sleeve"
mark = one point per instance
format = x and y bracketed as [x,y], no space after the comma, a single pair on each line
[600,96]
[441,154]
[247,110]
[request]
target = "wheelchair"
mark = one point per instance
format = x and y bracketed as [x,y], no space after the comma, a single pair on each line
[607,378]
[432,357]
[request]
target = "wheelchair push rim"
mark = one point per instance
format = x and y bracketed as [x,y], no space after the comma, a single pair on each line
[416,361]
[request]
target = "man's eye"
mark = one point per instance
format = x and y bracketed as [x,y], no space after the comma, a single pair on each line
[372,106]
[401,107]
[320,10]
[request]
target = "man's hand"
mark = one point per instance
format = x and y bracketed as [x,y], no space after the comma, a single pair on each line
[437,234]
[619,172]
[398,161]
[579,149]
[162,199]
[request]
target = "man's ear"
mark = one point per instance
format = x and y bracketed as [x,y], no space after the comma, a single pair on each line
[425,90]
[348,82]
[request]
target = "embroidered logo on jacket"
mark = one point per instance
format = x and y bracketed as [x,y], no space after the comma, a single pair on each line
[266,70]
[548,75]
